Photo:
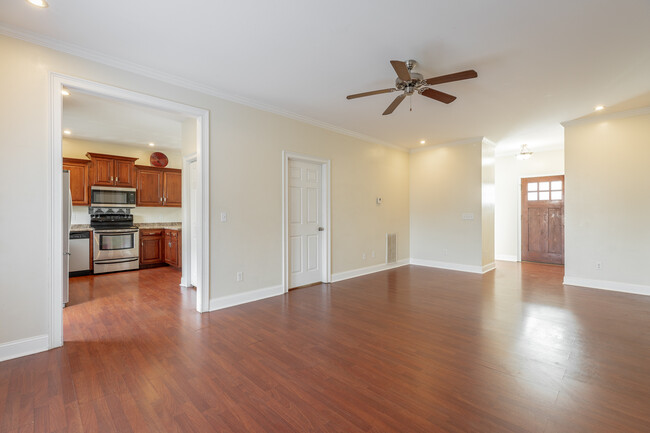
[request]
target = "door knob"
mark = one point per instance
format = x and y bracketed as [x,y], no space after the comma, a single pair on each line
[321,229]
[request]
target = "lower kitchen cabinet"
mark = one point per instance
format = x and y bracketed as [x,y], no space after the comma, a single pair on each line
[172,248]
[151,247]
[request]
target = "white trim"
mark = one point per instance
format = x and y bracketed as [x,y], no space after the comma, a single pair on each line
[54,235]
[243,298]
[155,74]
[345,275]
[24,347]
[186,241]
[453,266]
[615,286]
[601,117]
[326,252]
[506,258]
[489,267]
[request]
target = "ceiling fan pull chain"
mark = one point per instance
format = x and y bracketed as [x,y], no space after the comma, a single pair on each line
[411,103]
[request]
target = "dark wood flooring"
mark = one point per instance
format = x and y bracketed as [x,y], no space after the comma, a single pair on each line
[407,350]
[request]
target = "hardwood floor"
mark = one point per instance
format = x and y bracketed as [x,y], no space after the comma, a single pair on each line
[407,350]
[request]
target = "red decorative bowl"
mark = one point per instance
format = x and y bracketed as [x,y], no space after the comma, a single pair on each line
[158,159]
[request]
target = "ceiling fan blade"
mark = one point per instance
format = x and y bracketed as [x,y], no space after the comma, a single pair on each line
[438,96]
[394,104]
[374,92]
[465,75]
[401,69]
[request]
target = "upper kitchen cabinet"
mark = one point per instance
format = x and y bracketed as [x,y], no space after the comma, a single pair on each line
[78,169]
[159,186]
[111,170]
[173,190]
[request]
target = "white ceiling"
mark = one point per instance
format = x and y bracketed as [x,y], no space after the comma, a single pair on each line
[539,62]
[90,117]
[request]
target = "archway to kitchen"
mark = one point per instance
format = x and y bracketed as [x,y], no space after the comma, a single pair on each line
[102,199]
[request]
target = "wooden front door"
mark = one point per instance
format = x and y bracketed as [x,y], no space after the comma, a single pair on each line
[542,219]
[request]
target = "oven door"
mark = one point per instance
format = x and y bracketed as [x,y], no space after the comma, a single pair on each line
[115,244]
[106,196]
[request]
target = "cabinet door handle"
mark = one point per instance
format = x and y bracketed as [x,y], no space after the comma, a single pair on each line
[170,245]
[111,178]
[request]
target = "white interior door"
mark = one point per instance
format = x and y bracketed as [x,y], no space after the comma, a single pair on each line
[305,222]
[194,224]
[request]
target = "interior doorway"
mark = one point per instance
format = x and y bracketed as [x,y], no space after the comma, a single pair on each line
[199,119]
[306,220]
[542,219]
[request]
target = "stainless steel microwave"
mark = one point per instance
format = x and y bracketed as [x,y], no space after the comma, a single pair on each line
[110,196]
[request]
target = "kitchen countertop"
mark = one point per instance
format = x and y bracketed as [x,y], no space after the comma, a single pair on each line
[166,226]
[80,228]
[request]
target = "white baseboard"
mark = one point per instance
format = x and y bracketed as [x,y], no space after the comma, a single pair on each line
[616,286]
[340,276]
[506,257]
[23,347]
[453,266]
[242,298]
[489,267]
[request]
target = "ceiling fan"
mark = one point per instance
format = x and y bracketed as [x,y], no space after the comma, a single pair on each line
[410,82]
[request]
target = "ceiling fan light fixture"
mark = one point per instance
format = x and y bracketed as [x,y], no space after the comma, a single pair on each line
[524,153]
[599,107]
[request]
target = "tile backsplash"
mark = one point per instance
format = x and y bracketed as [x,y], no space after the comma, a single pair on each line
[140,214]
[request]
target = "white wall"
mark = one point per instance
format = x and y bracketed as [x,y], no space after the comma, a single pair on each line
[246,181]
[608,202]
[508,174]
[446,182]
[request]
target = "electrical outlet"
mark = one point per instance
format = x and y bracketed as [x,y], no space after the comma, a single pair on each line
[599,266]
[363,256]
[240,276]
[372,254]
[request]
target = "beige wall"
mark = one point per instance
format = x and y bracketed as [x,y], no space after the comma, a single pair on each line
[608,200]
[246,181]
[75,148]
[445,183]
[508,174]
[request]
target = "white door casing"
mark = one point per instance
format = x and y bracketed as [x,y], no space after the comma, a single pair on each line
[305,223]
[193,223]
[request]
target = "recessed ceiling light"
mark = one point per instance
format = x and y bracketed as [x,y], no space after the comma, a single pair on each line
[152,144]
[65,92]
[38,3]
[422,141]
[67,132]
[599,107]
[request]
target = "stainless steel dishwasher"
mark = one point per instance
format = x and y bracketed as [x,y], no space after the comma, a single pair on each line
[80,253]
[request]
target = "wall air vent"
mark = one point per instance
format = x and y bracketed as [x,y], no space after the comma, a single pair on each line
[391,247]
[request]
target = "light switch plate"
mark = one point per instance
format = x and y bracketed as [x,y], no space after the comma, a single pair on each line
[224,217]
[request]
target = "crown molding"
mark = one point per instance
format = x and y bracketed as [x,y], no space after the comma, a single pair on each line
[607,116]
[175,80]
[452,143]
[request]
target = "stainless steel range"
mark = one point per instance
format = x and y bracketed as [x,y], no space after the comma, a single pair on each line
[116,245]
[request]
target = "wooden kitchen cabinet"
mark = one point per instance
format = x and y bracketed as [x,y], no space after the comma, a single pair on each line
[159,186]
[172,248]
[79,188]
[151,247]
[112,170]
